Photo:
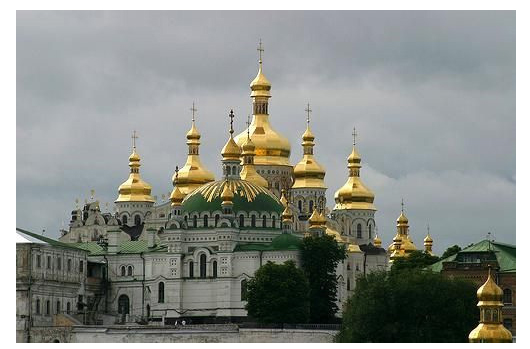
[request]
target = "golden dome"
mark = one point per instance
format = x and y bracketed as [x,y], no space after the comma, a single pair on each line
[489,293]
[193,174]
[377,241]
[227,195]
[308,173]
[354,195]
[428,239]
[314,218]
[407,245]
[231,150]
[283,199]
[287,213]
[402,219]
[134,189]
[248,172]
[260,86]
[176,197]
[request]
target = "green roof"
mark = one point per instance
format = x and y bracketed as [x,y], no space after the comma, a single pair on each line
[48,240]
[504,253]
[282,242]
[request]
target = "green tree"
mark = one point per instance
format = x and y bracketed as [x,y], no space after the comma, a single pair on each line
[415,260]
[278,293]
[451,251]
[409,306]
[320,257]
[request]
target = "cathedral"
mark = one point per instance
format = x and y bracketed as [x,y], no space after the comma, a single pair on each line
[191,254]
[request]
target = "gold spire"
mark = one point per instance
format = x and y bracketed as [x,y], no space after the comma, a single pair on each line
[308,173]
[406,245]
[248,172]
[377,241]
[287,214]
[227,195]
[283,199]
[427,242]
[176,196]
[231,151]
[490,328]
[134,188]
[193,174]
[354,194]
[271,147]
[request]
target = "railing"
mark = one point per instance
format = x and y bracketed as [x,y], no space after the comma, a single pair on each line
[333,327]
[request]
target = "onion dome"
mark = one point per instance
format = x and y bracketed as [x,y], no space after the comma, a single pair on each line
[271,147]
[231,150]
[354,194]
[283,199]
[134,189]
[377,241]
[308,173]
[402,220]
[248,172]
[314,219]
[490,328]
[227,195]
[176,197]
[287,214]
[247,197]
[193,174]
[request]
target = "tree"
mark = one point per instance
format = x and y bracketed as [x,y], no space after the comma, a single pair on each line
[415,260]
[320,257]
[409,306]
[278,293]
[451,251]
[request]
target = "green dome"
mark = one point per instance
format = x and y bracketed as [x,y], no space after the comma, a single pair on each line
[286,241]
[247,197]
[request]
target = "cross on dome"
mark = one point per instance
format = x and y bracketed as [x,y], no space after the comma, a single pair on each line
[134,138]
[260,50]
[308,110]
[193,110]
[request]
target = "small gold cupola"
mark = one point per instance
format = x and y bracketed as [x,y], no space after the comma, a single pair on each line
[193,174]
[405,244]
[354,194]
[283,199]
[248,172]
[134,189]
[308,173]
[271,148]
[427,242]
[490,328]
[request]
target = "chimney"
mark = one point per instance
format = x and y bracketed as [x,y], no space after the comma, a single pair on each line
[112,238]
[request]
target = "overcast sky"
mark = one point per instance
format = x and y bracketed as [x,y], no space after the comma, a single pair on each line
[431,94]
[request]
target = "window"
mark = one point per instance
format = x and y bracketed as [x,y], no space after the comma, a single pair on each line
[369,231]
[59,263]
[137,220]
[234,170]
[214,269]
[253,221]
[195,221]
[508,324]
[68,307]
[58,307]
[81,269]
[148,311]
[228,171]
[69,265]
[124,220]
[80,302]
[243,289]
[122,270]
[191,269]
[310,205]
[348,284]
[217,219]
[160,292]
[507,298]
[129,270]
[123,304]
[241,221]
[38,261]
[274,221]
[37,307]
[359,231]
[264,223]
[48,307]
[202,265]
[205,221]
[299,205]
[48,262]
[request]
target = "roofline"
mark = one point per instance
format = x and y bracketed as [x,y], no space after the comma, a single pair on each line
[49,241]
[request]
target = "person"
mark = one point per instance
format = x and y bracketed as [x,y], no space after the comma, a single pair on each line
[183,322]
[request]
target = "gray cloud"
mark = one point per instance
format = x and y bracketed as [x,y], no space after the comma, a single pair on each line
[432,95]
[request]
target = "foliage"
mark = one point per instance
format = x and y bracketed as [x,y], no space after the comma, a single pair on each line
[409,306]
[451,251]
[278,293]
[320,257]
[415,260]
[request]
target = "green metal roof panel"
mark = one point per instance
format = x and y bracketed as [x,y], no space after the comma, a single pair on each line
[47,240]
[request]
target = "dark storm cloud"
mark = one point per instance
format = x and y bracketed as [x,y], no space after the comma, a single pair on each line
[432,95]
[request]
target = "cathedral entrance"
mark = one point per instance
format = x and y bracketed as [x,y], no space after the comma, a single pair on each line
[123,306]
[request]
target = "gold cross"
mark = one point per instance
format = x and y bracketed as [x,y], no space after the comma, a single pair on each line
[248,126]
[354,134]
[231,116]
[260,50]
[92,191]
[193,110]
[134,138]
[308,112]
[402,204]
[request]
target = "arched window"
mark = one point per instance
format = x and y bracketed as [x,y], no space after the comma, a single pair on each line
[69,265]
[359,231]
[37,306]
[299,205]
[274,221]
[191,269]
[68,308]
[264,222]
[137,219]
[253,221]
[507,299]
[369,231]
[310,205]
[234,170]
[123,270]
[123,304]
[48,307]
[241,220]
[148,311]
[228,170]
[129,270]
[217,219]
[124,220]
[58,307]
[214,269]
[205,221]
[202,266]
[160,292]
[195,221]
[243,289]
